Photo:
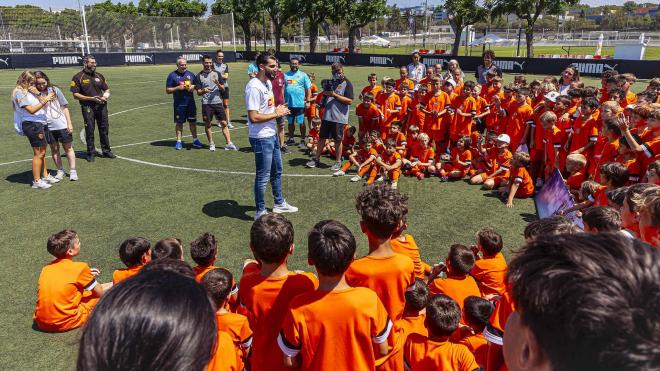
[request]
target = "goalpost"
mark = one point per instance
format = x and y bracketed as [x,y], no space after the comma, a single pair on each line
[24,46]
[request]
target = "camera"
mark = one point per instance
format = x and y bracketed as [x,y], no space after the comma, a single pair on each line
[326,84]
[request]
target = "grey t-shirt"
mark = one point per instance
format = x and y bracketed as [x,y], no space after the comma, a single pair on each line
[222,68]
[205,80]
[336,111]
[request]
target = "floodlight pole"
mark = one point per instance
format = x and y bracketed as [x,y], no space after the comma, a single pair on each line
[84,19]
[233,32]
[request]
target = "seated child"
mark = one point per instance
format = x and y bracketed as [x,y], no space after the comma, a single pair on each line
[348,143]
[649,216]
[421,159]
[67,290]
[476,312]
[436,352]
[406,245]
[167,248]
[628,158]
[412,141]
[613,175]
[653,173]
[459,162]
[134,253]
[551,137]
[337,319]
[362,158]
[389,163]
[520,183]
[399,137]
[490,268]
[458,284]
[500,165]
[312,139]
[414,314]
[575,166]
[204,251]
[219,283]
[588,189]
[601,219]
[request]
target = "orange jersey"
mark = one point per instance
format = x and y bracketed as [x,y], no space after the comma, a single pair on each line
[388,276]
[413,325]
[266,301]
[551,139]
[600,197]
[634,169]
[322,325]
[60,302]
[313,135]
[237,326]
[490,274]
[413,147]
[122,274]
[400,139]
[311,110]
[201,271]
[409,248]
[630,98]
[388,103]
[585,131]
[607,152]
[463,125]
[417,117]
[374,91]
[520,176]
[575,180]
[409,82]
[482,105]
[421,353]
[368,117]
[225,357]
[477,345]
[465,156]
[456,287]
[503,309]
[503,161]
[363,155]
[518,116]
[436,103]
[390,159]
[406,107]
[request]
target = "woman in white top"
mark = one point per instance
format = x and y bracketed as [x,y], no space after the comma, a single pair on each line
[570,75]
[60,126]
[30,116]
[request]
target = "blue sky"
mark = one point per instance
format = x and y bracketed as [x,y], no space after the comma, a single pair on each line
[59,4]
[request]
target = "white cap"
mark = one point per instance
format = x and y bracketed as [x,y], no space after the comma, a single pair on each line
[551,96]
[452,82]
[503,138]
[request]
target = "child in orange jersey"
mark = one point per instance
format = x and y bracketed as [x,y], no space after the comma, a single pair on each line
[204,251]
[489,266]
[414,314]
[520,183]
[575,166]
[403,81]
[434,115]
[337,327]
[626,81]
[390,106]
[436,352]
[417,116]
[389,163]
[493,93]
[373,88]
[459,162]
[606,148]
[406,102]
[534,132]
[348,142]
[649,216]
[421,159]
[588,190]
[500,165]
[412,141]
[466,110]
[405,244]
[613,175]
[585,130]
[476,312]
[170,247]
[428,75]
[368,115]
[648,150]
[363,159]
[310,110]
[312,139]
[457,284]
[483,109]
[67,290]
[396,134]
[134,253]
[551,138]
[265,295]
[653,173]
[219,283]
[519,117]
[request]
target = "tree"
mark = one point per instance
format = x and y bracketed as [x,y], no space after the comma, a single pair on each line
[529,11]
[317,11]
[396,21]
[358,13]
[462,13]
[167,10]
[280,11]
[629,7]
[115,22]
[246,12]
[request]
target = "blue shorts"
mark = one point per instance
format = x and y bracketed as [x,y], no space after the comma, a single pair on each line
[297,113]
[185,113]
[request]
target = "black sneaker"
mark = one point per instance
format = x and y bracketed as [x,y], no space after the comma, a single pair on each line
[109,155]
[90,157]
[285,150]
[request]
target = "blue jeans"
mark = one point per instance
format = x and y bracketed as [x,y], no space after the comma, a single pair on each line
[268,160]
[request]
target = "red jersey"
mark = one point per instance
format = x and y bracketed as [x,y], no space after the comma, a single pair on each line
[388,103]
[368,117]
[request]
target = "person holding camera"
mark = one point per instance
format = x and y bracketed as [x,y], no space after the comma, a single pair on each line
[337,98]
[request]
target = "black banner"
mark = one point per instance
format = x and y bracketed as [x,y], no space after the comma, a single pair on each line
[5,61]
[647,69]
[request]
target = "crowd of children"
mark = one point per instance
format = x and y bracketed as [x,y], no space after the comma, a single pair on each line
[510,138]
[388,310]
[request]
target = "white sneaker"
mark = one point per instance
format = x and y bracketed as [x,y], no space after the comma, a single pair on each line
[312,163]
[73,175]
[394,185]
[230,147]
[336,166]
[284,207]
[380,178]
[212,147]
[259,214]
[51,179]
[60,174]
[356,178]
[338,173]
[229,125]
[41,184]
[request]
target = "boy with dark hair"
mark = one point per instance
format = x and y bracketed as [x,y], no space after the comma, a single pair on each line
[600,219]
[203,251]
[414,314]
[520,183]
[613,175]
[219,284]
[167,248]
[585,129]
[519,116]
[551,226]
[171,265]
[62,304]
[389,163]
[134,253]
[265,294]
[476,312]
[569,290]
[390,106]
[337,319]
[458,284]
[436,352]
[489,267]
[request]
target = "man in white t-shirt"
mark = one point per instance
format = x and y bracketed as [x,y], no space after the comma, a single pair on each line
[262,132]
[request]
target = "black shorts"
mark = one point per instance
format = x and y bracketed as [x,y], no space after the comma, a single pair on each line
[331,130]
[225,93]
[209,111]
[185,113]
[59,136]
[35,132]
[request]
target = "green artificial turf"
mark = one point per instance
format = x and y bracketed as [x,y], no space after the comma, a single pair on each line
[117,199]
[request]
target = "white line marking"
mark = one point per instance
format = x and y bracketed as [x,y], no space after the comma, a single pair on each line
[219,171]
[82,131]
[15,162]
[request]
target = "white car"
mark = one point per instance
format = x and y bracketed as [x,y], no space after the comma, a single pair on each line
[374,40]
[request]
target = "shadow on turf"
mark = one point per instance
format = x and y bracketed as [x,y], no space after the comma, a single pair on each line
[528,217]
[302,162]
[21,178]
[170,143]
[228,209]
